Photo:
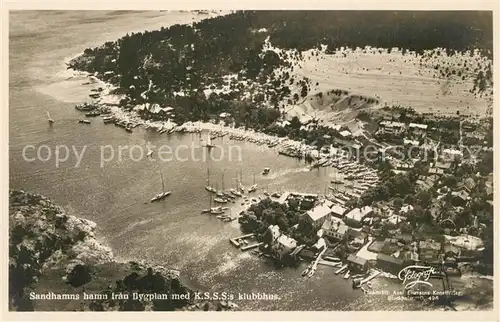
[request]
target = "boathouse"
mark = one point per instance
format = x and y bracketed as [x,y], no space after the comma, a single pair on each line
[357,264]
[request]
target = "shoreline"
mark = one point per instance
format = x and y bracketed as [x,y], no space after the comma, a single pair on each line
[80,248]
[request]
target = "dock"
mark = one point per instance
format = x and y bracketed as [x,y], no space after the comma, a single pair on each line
[328,263]
[341,269]
[251,246]
[297,250]
[236,240]
[369,278]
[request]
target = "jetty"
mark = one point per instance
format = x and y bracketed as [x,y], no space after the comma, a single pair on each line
[314,264]
[251,246]
[236,241]
[328,263]
[341,269]
[369,278]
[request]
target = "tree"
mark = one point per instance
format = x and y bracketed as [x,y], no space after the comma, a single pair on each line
[424,198]
[398,203]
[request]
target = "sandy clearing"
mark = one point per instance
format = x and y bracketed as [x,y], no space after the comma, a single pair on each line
[395,79]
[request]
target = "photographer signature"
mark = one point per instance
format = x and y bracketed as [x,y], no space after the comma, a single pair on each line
[415,274]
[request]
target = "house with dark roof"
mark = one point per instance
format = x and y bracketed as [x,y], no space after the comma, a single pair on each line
[357,264]
[389,263]
[460,198]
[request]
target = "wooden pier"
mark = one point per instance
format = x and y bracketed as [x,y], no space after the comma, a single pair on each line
[251,246]
[328,263]
[236,240]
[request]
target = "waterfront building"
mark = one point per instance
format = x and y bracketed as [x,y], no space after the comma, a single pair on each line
[318,215]
[357,264]
[389,263]
[335,229]
[283,246]
[338,211]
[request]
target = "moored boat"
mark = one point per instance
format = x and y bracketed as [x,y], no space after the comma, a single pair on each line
[92,114]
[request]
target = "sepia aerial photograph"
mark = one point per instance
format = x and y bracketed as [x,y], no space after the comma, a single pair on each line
[250,160]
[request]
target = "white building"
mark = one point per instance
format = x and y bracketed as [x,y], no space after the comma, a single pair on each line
[335,229]
[391,127]
[283,245]
[319,214]
[417,129]
[357,214]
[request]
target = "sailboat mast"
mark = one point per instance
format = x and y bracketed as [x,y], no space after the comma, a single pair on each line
[222,179]
[162,182]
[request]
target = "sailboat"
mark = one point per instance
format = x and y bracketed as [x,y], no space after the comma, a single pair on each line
[163,194]
[51,121]
[208,187]
[209,144]
[235,192]
[214,210]
[150,153]
[241,187]
[254,186]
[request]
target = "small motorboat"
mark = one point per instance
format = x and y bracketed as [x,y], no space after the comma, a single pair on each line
[82,121]
[220,200]
[160,196]
[210,189]
[235,192]
[108,119]
[128,128]
[51,121]
[266,171]
[216,211]
[252,188]
[92,114]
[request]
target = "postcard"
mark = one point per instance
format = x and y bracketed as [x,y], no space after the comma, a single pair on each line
[250,160]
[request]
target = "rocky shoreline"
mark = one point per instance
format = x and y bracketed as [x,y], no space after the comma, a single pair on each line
[52,252]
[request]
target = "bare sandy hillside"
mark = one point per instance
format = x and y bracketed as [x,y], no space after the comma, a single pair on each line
[430,83]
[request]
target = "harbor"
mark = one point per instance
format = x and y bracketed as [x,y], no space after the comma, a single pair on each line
[176,214]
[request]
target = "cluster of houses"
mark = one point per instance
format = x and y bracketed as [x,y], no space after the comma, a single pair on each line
[367,247]
[414,132]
